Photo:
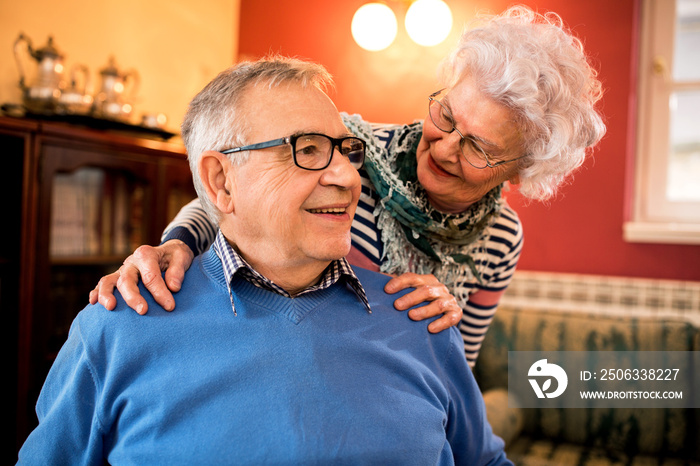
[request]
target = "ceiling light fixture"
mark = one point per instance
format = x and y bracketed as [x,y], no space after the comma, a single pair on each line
[428,23]
[374,26]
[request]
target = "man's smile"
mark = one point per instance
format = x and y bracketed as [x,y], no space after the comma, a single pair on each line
[328,210]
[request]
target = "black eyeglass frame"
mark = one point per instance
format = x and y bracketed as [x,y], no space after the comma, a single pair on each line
[463,138]
[292,140]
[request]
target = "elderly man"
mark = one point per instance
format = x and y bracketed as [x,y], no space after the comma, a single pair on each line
[279,352]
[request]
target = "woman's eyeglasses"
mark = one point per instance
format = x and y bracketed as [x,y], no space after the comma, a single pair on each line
[471,150]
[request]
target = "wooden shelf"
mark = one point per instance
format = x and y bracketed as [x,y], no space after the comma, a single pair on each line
[70,261]
[42,292]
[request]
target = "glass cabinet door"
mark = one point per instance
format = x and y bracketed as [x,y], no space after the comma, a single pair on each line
[78,202]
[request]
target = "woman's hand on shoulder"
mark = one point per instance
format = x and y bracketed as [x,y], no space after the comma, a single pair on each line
[173,257]
[427,289]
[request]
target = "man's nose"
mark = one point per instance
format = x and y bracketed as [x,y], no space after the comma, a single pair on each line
[340,172]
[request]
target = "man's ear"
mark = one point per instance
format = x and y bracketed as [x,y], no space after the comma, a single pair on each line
[215,172]
[515,179]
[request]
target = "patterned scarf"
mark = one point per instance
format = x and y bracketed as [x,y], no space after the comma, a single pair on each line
[415,236]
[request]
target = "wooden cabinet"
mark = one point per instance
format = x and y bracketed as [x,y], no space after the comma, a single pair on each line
[77,202]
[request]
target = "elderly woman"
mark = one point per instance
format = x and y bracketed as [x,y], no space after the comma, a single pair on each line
[517,104]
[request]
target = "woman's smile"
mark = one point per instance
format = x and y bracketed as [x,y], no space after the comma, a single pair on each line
[434,166]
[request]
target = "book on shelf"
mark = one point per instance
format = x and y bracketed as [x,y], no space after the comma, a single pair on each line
[96,212]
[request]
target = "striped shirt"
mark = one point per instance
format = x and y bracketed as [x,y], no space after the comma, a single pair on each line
[497,265]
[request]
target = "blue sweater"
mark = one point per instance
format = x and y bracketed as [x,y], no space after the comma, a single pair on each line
[308,380]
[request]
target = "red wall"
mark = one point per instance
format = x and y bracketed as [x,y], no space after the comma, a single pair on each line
[578,232]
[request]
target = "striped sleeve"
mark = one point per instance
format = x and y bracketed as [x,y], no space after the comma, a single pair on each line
[192,226]
[503,251]
[497,266]
[475,323]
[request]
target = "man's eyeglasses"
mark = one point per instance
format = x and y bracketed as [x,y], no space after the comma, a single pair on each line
[314,151]
[471,150]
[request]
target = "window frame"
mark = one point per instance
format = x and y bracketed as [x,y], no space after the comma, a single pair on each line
[654,218]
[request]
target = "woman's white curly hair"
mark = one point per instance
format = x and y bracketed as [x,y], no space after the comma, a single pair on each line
[531,64]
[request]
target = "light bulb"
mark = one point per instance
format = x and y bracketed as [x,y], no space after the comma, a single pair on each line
[428,22]
[374,26]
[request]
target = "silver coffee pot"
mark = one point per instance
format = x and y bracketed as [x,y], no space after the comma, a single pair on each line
[42,94]
[117,92]
[76,98]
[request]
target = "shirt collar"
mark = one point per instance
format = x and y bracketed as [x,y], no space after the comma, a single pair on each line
[234,264]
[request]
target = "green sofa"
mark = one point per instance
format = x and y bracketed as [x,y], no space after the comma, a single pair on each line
[577,436]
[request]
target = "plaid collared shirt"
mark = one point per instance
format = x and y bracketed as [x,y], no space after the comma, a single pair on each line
[233,263]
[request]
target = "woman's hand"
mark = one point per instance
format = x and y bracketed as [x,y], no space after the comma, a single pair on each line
[147,262]
[427,289]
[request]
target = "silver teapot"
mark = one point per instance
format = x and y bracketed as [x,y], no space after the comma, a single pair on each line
[114,100]
[76,99]
[41,96]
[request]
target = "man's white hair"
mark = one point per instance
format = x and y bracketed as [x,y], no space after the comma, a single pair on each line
[214,120]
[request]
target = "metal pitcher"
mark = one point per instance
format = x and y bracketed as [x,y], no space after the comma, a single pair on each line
[117,92]
[76,99]
[41,95]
